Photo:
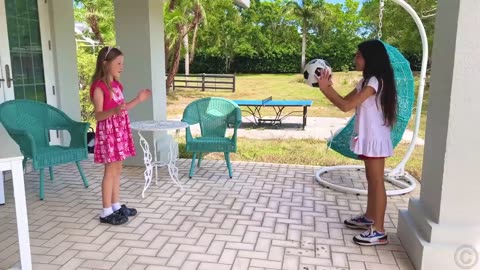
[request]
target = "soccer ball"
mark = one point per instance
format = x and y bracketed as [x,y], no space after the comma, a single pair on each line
[312,71]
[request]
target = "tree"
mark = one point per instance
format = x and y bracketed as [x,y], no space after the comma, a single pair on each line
[398,28]
[337,39]
[225,36]
[86,67]
[178,23]
[198,10]
[307,14]
[270,31]
[99,15]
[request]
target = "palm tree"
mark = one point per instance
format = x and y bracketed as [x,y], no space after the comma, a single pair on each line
[307,13]
[198,11]
[98,14]
[181,17]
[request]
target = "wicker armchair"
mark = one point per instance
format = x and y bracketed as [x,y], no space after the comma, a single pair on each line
[214,116]
[29,122]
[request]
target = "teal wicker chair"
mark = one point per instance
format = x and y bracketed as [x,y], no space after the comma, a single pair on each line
[214,116]
[29,122]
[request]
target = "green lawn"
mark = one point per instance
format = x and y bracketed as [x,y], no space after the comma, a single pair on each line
[284,86]
[292,151]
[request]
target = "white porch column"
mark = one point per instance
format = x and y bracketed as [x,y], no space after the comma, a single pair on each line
[65,57]
[140,36]
[441,229]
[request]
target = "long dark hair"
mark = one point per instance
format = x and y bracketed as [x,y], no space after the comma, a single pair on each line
[105,56]
[377,64]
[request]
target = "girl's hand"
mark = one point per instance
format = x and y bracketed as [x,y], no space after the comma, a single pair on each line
[144,95]
[118,110]
[324,80]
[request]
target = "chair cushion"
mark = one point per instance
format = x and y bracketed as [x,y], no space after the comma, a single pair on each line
[55,155]
[211,144]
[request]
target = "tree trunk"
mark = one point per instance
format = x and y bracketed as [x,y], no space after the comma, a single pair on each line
[167,51]
[170,78]
[227,64]
[304,46]
[182,31]
[187,53]
[171,5]
[194,43]
[196,22]
[92,20]
[176,60]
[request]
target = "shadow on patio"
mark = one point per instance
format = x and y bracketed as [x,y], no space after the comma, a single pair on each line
[269,216]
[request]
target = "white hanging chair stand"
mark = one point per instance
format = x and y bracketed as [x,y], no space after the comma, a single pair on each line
[397,176]
[405,182]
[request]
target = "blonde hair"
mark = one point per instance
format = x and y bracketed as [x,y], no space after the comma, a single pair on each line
[104,58]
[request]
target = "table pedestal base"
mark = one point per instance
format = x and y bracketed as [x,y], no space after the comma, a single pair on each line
[152,162]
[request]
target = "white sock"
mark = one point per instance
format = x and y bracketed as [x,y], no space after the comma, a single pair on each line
[106,212]
[116,206]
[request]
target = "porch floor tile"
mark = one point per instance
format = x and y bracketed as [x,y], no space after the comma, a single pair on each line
[269,216]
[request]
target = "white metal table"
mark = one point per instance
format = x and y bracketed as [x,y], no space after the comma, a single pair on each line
[155,162]
[11,159]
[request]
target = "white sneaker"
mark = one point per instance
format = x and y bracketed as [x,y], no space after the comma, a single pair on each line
[358,222]
[371,237]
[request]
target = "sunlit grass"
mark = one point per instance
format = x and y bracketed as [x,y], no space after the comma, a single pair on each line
[279,86]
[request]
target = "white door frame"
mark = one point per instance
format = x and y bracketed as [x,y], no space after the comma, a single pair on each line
[7,93]
[47,52]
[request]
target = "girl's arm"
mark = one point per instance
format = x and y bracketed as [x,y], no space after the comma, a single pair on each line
[347,103]
[351,94]
[132,103]
[100,114]
[141,97]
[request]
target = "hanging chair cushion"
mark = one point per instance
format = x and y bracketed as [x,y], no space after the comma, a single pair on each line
[404,81]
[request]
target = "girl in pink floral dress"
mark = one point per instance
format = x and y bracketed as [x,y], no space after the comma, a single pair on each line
[113,136]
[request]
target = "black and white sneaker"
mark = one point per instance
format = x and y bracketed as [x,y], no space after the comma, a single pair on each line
[358,222]
[371,237]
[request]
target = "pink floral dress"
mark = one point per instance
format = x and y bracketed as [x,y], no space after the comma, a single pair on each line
[113,136]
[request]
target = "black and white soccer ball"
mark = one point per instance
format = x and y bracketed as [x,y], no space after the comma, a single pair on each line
[312,71]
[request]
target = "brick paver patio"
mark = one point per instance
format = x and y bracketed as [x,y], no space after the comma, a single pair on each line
[269,216]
